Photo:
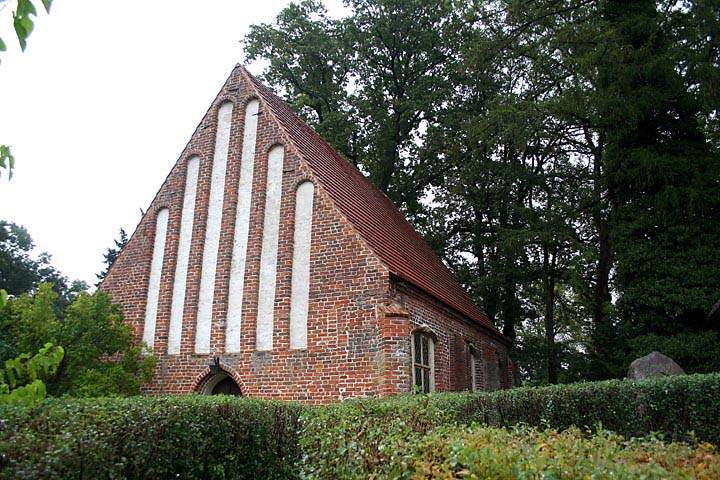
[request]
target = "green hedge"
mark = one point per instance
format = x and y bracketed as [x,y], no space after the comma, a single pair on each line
[144,437]
[230,437]
[527,453]
[350,439]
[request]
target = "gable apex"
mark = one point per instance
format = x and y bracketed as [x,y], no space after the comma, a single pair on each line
[370,212]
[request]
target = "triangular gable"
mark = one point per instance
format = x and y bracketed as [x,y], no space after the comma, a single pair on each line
[374,216]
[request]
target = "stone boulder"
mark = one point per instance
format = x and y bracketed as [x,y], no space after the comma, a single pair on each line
[654,365]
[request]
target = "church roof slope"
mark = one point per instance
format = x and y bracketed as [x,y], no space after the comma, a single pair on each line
[374,215]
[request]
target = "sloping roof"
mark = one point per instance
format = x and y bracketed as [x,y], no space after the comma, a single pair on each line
[374,216]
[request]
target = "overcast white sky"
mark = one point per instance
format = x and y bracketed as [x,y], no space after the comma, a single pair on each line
[100,105]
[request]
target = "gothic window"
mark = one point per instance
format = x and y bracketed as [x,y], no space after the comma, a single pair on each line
[423,362]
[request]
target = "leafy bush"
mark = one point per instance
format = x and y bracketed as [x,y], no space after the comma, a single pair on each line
[102,357]
[21,378]
[527,453]
[193,436]
[230,437]
[360,435]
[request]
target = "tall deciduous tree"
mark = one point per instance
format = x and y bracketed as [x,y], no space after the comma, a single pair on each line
[368,82]
[561,155]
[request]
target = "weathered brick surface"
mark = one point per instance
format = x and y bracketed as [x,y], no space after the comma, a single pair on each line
[454,336]
[357,345]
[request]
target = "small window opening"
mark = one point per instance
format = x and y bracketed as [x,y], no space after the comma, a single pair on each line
[423,363]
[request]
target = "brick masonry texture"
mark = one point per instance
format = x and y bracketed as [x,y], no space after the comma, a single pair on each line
[361,315]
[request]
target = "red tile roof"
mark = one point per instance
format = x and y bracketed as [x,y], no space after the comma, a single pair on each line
[374,216]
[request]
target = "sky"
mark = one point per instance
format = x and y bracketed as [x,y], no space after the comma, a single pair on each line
[100,105]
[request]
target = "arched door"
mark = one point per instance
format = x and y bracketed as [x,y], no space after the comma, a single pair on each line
[226,386]
[220,384]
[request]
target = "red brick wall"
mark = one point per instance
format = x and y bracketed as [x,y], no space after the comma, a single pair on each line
[454,335]
[352,350]
[346,279]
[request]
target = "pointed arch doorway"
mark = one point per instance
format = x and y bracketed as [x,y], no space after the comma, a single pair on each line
[219,382]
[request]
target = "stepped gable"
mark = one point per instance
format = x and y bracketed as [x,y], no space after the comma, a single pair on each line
[373,214]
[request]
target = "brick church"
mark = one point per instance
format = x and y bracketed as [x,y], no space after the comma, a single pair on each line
[268,266]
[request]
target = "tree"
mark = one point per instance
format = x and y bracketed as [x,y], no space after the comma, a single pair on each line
[310,62]
[21,273]
[368,82]
[602,81]
[18,271]
[101,356]
[561,156]
[111,255]
[663,174]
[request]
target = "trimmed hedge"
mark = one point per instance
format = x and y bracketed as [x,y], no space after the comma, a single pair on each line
[359,436]
[527,453]
[145,437]
[230,437]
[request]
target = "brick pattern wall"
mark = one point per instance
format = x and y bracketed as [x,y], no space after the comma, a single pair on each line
[356,345]
[454,337]
[346,279]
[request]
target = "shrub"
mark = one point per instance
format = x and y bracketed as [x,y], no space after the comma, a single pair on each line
[193,436]
[527,453]
[366,435]
[230,437]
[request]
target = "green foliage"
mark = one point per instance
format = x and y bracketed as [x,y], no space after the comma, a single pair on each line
[22,272]
[21,378]
[23,25]
[7,161]
[111,255]
[101,356]
[30,321]
[527,453]
[402,437]
[368,82]
[662,172]
[308,53]
[356,438]
[561,156]
[215,437]
[23,22]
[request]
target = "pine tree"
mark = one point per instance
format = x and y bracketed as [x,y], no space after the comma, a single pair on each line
[111,255]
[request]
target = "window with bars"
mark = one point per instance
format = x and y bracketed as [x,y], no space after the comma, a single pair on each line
[423,363]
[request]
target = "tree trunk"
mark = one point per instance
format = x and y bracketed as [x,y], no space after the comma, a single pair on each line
[601,292]
[601,222]
[510,307]
[549,260]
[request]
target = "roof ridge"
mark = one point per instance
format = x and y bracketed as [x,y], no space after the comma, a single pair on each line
[261,91]
[377,220]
